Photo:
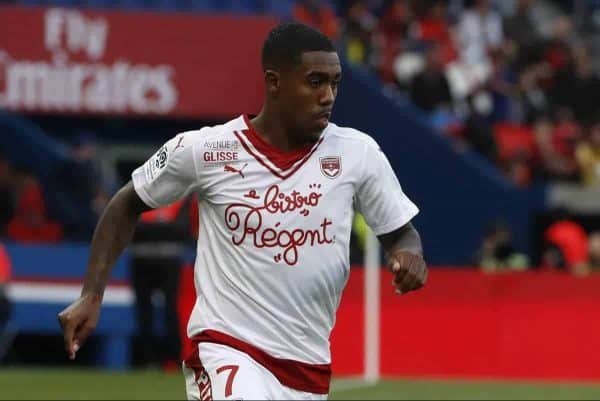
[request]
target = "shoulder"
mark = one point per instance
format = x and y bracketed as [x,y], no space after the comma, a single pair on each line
[219,131]
[350,136]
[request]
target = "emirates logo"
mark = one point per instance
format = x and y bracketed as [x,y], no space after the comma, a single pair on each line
[331,166]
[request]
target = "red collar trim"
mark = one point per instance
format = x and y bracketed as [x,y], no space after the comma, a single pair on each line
[281,164]
[280,159]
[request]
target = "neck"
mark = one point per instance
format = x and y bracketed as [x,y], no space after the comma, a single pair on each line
[269,125]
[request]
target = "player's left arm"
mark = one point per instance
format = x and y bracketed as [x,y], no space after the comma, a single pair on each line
[389,212]
[405,258]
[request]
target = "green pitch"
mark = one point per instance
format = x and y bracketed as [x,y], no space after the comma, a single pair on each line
[71,384]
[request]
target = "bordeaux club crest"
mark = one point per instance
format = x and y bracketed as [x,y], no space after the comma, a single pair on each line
[331,166]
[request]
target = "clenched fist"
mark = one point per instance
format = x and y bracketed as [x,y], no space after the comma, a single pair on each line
[410,271]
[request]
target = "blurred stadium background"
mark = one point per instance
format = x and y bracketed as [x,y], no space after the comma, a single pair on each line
[488,111]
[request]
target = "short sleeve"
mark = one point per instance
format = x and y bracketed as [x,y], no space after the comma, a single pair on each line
[169,175]
[379,196]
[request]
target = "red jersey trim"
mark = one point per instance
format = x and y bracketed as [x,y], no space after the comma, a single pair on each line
[281,174]
[281,164]
[298,375]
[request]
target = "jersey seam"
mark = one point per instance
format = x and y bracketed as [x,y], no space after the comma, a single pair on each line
[143,194]
[361,137]
[196,173]
[363,172]
[389,227]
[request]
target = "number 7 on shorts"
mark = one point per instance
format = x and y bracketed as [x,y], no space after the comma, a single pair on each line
[232,372]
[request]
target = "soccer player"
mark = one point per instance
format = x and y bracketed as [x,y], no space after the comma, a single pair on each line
[277,193]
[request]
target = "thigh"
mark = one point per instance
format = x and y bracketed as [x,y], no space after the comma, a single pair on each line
[217,372]
[233,374]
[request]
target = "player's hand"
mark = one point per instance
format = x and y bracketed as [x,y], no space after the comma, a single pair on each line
[78,320]
[410,271]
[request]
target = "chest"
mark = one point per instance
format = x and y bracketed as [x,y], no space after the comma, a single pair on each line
[310,205]
[233,176]
[314,189]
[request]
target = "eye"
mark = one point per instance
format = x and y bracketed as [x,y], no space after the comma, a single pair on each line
[314,82]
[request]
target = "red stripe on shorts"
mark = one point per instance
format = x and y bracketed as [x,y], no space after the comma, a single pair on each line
[298,375]
[200,374]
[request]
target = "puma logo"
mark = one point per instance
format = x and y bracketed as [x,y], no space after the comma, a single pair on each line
[231,169]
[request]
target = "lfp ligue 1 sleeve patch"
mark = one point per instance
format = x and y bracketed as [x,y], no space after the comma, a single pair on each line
[331,166]
[157,163]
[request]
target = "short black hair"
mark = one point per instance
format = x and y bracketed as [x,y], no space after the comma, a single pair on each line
[285,44]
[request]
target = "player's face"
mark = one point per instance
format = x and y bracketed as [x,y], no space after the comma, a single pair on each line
[308,93]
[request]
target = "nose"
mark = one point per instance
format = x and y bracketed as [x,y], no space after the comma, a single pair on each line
[327,96]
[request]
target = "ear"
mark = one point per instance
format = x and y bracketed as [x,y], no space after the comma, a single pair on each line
[272,81]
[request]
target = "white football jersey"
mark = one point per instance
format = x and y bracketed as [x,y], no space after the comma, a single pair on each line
[273,247]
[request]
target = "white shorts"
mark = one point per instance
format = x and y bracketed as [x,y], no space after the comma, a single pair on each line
[228,374]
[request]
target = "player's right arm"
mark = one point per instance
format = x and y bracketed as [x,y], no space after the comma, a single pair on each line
[113,232]
[167,176]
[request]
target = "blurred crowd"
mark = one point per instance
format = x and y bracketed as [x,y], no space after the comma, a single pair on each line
[512,80]
[64,204]
[515,81]
[565,245]
[67,206]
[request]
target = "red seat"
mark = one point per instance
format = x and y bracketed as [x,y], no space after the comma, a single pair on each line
[512,139]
